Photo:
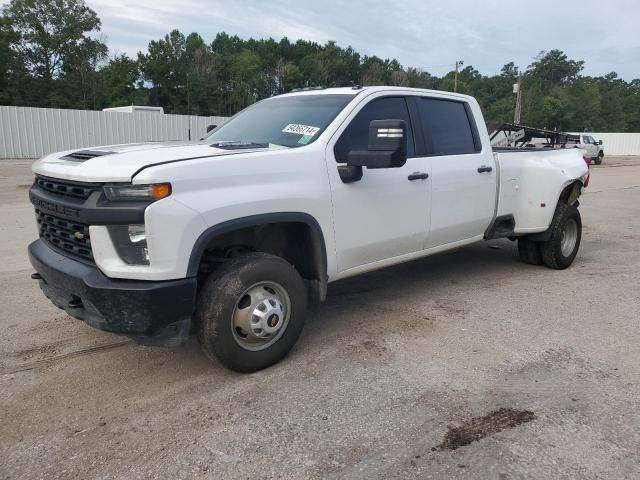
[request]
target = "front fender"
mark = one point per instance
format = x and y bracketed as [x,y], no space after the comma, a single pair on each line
[211,233]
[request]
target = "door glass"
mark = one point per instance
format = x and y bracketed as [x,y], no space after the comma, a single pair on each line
[356,135]
[447,124]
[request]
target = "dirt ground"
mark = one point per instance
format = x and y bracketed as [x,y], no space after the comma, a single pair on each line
[463,365]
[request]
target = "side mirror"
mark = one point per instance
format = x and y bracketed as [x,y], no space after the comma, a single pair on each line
[210,127]
[387,146]
[599,142]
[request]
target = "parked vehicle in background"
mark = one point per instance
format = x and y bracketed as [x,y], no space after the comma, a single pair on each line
[594,148]
[233,235]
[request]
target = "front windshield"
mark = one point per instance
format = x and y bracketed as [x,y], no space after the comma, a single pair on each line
[291,121]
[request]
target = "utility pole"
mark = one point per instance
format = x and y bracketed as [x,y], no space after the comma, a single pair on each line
[459,63]
[517,89]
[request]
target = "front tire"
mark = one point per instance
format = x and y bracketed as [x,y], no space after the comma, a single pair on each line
[566,232]
[599,158]
[250,311]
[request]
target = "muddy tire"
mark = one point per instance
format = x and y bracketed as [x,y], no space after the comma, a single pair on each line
[529,251]
[566,232]
[251,311]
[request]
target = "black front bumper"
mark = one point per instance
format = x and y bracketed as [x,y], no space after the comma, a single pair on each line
[151,312]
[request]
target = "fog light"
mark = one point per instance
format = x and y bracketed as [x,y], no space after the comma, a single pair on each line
[130,241]
[137,233]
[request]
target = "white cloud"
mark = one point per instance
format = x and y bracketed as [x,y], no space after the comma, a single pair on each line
[418,33]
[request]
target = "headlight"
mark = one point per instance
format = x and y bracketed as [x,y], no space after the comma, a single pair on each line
[152,192]
[130,242]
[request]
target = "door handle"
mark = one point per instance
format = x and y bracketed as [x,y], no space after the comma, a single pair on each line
[485,168]
[418,176]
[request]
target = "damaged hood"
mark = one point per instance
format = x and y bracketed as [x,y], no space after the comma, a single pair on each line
[119,163]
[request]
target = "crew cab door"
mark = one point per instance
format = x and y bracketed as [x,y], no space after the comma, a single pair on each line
[590,146]
[463,173]
[385,213]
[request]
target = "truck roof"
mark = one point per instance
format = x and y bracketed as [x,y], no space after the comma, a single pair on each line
[356,90]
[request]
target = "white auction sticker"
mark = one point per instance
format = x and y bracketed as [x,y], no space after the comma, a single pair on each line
[301,129]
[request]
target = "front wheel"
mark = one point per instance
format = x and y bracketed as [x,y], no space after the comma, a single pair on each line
[598,160]
[251,311]
[566,232]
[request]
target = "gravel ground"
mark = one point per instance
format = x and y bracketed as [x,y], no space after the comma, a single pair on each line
[393,377]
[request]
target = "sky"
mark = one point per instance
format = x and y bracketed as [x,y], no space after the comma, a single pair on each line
[426,34]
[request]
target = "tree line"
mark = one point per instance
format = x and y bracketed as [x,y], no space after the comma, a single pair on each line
[53,55]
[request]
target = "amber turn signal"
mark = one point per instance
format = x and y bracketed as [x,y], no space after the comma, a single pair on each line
[160,190]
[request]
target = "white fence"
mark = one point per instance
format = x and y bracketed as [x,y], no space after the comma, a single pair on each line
[27,132]
[619,143]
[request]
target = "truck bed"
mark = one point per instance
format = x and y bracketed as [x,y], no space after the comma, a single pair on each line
[528,183]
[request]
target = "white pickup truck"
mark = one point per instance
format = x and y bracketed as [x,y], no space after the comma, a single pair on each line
[231,236]
[594,148]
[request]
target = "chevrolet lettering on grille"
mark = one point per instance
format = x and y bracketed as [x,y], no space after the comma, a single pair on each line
[54,207]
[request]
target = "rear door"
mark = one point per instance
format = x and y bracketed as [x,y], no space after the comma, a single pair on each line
[589,145]
[386,213]
[463,175]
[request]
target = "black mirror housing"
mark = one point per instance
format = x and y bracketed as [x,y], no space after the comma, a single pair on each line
[211,127]
[388,135]
[599,142]
[387,146]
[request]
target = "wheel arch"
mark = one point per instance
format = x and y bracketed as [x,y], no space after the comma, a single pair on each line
[569,194]
[315,268]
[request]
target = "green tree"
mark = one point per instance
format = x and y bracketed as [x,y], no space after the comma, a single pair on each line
[545,86]
[79,81]
[7,61]
[418,78]
[118,81]
[50,56]
[47,36]
[164,67]
[291,77]
[632,106]
[202,81]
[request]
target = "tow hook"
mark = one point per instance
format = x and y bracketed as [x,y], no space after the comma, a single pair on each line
[75,302]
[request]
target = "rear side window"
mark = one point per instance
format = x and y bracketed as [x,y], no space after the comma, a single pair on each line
[356,135]
[447,124]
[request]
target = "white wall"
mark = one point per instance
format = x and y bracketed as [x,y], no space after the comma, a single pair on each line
[619,143]
[27,132]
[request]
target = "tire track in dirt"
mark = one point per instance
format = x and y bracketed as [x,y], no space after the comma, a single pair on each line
[45,362]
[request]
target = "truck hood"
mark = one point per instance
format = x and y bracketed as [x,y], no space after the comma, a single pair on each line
[120,163]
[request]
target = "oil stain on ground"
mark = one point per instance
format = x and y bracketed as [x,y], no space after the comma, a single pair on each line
[480,427]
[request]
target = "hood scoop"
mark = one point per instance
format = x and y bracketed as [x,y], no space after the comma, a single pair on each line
[84,155]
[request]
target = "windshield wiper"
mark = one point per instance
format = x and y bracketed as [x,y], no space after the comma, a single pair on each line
[239,145]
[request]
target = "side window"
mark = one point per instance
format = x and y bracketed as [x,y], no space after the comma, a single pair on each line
[448,126]
[585,139]
[356,135]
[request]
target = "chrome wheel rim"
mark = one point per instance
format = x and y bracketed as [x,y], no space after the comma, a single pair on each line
[260,316]
[569,237]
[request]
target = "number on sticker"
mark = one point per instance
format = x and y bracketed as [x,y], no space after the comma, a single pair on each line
[301,129]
